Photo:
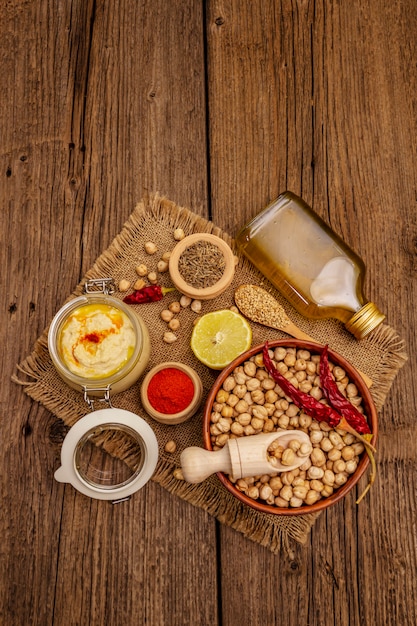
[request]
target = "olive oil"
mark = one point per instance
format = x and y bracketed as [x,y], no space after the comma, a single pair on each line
[309,264]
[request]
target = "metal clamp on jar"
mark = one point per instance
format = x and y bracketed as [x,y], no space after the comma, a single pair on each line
[100,347]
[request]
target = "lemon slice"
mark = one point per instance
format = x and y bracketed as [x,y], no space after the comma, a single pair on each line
[219,337]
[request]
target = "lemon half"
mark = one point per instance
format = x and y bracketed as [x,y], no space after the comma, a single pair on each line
[219,337]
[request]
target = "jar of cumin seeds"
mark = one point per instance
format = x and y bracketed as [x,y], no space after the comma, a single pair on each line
[202,266]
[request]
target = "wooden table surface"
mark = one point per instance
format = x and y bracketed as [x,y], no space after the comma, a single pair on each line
[219,105]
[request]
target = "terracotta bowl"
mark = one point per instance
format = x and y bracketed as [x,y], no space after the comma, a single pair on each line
[367,404]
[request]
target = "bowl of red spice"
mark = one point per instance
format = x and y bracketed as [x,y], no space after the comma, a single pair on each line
[292,384]
[171,392]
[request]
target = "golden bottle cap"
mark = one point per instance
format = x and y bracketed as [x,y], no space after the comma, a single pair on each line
[366,319]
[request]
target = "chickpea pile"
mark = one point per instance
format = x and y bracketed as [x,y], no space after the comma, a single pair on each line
[250,402]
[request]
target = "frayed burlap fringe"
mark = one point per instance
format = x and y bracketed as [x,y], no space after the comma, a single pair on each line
[268,530]
[380,355]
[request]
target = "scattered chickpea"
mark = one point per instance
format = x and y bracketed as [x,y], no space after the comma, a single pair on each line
[170,447]
[170,337]
[178,474]
[124,285]
[196,306]
[174,324]
[185,301]
[166,315]
[166,256]
[174,307]
[162,266]
[153,278]
[139,284]
[150,247]
[141,270]
[179,234]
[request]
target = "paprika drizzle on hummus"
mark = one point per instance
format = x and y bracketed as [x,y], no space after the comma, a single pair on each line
[96,340]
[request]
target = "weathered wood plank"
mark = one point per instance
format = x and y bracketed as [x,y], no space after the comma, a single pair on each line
[317,98]
[102,106]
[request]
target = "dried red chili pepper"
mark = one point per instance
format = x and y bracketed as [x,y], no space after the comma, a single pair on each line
[337,400]
[320,412]
[150,293]
[311,406]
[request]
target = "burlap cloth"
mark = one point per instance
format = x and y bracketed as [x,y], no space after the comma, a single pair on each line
[154,219]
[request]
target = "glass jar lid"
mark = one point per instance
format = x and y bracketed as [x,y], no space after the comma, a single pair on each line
[89,467]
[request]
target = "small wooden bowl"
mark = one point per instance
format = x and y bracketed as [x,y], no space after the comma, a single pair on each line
[367,403]
[217,288]
[174,418]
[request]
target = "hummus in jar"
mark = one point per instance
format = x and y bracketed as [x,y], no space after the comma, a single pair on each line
[96,340]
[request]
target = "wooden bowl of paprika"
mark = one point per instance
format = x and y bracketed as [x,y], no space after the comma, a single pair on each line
[314,417]
[171,392]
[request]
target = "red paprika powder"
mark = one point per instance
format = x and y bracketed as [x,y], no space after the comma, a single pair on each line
[170,391]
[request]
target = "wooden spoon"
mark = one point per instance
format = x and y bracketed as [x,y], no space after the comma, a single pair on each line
[260,306]
[243,456]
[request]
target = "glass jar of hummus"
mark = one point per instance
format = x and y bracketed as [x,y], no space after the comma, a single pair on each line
[98,345]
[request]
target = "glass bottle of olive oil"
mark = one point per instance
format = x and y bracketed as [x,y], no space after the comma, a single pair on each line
[309,264]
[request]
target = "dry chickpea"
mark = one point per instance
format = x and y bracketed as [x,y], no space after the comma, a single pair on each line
[334,454]
[348,453]
[318,458]
[244,419]
[166,315]
[178,474]
[222,439]
[288,456]
[280,502]
[258,396]
[195,306]
[328,477]
[174,307]
[170,337]
[174,324]
[141,270]
[288,477]
[139,284]
[240,391]
[241,406]
[242,485]
[257,423]
[185,301]
[232,400]
[253,492]
[166,256]
[315,472]
[162,266]
[229,383]
[222,395]
[170,447]
[351,466]
[236,429]
[340,479]
[312,497]
[283,421]
[153,278]
[150,247]
[339,466]
[253,384]
[249,369]
[223,425]
[286,493]
[124,285]
[227,411]
[179,234]
[268,426]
